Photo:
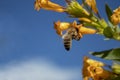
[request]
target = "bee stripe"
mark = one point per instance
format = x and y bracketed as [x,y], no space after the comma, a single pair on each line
[67,44]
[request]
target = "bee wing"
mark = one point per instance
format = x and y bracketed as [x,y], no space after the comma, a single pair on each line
[64,35]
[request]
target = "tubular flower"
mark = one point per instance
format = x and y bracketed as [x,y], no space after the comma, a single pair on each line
[92,4]
[115,18]
[89,22]
[47,5]
[83,30]
[61,26]
[85,20]
[76,10]
[93,69]
[98,73]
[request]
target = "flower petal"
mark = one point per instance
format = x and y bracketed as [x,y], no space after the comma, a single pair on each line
[61,26]
[92,4]
[115,18]
[48,5]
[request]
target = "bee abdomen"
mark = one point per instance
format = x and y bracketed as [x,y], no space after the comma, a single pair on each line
[67,43]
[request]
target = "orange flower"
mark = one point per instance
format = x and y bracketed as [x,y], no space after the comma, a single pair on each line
[98,73]
[61,26]
[83,30]
[37,5]
[117,10]
[93,69]
[115,18]
[47,5]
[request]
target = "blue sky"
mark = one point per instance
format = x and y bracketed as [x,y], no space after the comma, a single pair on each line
[27,38]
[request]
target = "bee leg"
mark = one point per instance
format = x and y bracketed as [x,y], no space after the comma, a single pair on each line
[80,35]
[78,38]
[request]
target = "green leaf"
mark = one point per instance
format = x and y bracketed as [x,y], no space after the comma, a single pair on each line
[112,54]
[108,32]
[108,12]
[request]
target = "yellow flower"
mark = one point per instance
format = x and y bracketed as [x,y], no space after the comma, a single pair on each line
[85,72]
[98,73]
[93,69]
[61,26]
[47,5]
[37,5]
[117,10]
[83,30]
[115,18]
[92,4]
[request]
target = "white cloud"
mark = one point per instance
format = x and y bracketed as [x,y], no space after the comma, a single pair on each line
[38,70]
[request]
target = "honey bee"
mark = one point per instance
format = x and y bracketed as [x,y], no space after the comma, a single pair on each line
[71,33]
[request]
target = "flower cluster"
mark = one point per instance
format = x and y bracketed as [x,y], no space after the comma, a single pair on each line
[87,14]
[94,69]
[89,22]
